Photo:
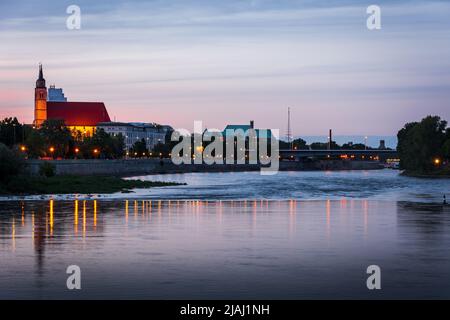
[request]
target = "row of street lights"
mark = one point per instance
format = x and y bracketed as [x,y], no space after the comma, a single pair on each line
[95,151]
[150,154]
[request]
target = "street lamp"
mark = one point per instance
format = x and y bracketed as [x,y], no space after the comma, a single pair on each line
[437,161]
[23,148]
[52,150]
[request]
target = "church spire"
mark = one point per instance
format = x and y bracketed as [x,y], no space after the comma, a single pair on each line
[40,83]
[40,100]
[41,75]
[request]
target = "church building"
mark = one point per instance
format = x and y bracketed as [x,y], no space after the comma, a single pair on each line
[78,116]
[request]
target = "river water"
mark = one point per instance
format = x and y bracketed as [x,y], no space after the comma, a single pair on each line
[294,235]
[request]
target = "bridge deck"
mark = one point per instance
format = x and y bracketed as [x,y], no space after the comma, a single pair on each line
[337,152]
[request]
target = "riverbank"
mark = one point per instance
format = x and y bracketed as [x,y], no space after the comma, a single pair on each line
[441,174]
[130,167]
[69,184]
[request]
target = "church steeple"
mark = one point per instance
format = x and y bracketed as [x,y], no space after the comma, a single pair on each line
[40,100]
[40,83]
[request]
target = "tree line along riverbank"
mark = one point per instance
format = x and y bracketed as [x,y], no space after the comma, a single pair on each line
[424,148]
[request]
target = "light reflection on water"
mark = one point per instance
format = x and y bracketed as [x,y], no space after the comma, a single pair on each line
[224,249]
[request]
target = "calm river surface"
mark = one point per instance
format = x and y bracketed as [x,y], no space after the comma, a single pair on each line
[234,235]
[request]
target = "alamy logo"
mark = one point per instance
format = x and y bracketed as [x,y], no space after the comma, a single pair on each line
[74,280]
[374,280]
[374,20]
[237,146]
[73,21]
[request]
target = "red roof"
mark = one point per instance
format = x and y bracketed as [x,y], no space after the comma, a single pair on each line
[78,113]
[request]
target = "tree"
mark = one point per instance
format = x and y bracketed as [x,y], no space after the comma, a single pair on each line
[300,144]
[324,145]
[355,146]
[139,149]
[446,150]
[10,163]
[11,132]
[118,146]
[163,149]
[52,139]
[419,143]
[58,138]
[297,144]
[35,144]
[102,145]
[446,145]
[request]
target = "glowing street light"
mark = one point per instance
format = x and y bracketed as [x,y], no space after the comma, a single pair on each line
[52,149]
[77,150]
[95,151]
[437,161]
[23,148]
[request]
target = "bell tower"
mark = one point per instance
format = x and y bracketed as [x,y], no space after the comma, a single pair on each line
[40,100]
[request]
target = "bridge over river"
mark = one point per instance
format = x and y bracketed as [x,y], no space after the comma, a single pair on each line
[376,154]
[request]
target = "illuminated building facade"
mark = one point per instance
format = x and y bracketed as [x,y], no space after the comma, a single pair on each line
[80,117]
[83,118]
[136,131]
[40,100]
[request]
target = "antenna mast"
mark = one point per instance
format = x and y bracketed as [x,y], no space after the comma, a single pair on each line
[289,134]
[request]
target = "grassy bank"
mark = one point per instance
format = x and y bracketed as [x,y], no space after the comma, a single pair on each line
[443,173]
[24,185]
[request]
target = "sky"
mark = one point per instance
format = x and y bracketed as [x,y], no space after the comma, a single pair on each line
[229,62]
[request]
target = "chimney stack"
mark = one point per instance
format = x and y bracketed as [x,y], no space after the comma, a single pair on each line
[330,139]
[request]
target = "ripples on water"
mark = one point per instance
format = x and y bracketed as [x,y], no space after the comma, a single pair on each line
[375,185]
[224,249]
[313,185]
[274,244]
